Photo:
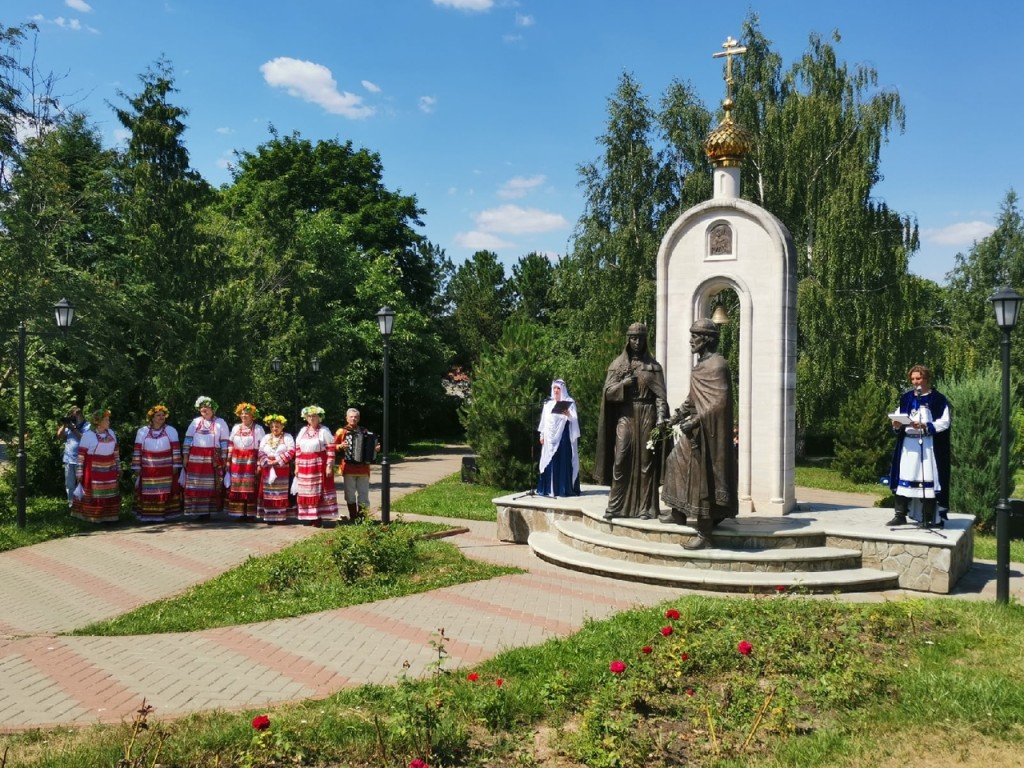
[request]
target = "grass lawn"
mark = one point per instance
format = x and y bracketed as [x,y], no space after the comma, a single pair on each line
[348,565]
[452,498]
[45,518]
[708,682]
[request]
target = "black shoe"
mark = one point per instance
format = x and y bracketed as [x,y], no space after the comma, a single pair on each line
[609,516]
[938,525]
[897,519]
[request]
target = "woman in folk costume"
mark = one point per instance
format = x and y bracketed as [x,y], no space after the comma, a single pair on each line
[243,447]
[156,462]
[314,469]
[277,450]
[559,437]
[204,455]
[97,498]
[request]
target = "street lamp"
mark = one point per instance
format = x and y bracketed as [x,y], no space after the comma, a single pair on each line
[64,312]
[386,321]
[1006,303]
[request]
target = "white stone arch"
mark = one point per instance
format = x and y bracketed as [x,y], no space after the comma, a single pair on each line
[761,270]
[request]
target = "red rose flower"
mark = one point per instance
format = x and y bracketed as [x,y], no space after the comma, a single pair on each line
[472,677]
[499,682]
[646,649]
[685,657]
[666,631]
[617,667]
[745,648]
[689,691]
[672,613]
[261,722]
[417,763]
[780,588]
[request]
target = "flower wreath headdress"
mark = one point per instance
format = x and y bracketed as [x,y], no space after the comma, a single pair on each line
[152,411]
[249,408]
[312,410]
[98,415]
[272,417]
[204,400]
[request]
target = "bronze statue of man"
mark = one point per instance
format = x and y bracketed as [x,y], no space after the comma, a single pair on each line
[633,404]
[700,472]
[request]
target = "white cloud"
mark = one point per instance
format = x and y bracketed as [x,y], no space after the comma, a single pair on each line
[225,131]
[519,186]
[371,87]
[428,104]
[59,21]
[513,220]
[524,20]
[481,241]
[466,5]
[78,5]
[313,83]
[122,135]
[962,234]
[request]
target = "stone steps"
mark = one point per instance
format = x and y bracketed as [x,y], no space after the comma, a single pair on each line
[667,550]
[549,546]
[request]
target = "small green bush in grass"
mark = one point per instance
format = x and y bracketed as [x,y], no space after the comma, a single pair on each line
[349,565]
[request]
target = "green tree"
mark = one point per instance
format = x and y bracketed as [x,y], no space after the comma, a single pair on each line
[992,262]
[864,438]
[530,288]
[974,439]
[479,297]
[819,129]
[157,286]
[501,416]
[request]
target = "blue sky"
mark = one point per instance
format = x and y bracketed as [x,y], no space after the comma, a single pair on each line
[484,109]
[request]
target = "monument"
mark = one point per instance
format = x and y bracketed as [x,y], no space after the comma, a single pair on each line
[731,243]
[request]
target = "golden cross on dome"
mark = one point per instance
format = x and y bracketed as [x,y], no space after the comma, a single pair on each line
[732,48]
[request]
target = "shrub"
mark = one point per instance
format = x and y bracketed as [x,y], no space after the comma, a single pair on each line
[380,551]
[864,439]
[975,401]
[509,384]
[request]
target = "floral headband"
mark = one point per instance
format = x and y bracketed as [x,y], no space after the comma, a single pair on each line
[272,417]
[204,400]
[247,408]
[98,416]
[152,411]
[312,410]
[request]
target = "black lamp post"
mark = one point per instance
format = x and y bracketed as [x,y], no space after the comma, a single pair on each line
[64,311]
[386,320]
[1006,303]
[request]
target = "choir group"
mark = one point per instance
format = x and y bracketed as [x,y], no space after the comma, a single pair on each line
[248,471]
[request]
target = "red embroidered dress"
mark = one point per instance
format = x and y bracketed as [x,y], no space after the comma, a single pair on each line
[314,470]
[243,448]
[275,459]
[156,462]
[204,455]
[98,473]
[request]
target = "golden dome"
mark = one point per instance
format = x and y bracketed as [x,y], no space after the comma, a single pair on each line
[729,143]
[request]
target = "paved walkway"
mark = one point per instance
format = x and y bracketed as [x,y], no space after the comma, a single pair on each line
[47,679]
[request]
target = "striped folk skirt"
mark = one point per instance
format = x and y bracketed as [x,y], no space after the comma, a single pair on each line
[101,502]
[275,505]
[157,495]
[317,495]
[202,482]
[240,500]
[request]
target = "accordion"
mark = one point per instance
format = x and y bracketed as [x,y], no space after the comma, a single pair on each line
[359,447]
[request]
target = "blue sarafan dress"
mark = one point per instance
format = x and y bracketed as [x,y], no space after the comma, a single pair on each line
[560,436]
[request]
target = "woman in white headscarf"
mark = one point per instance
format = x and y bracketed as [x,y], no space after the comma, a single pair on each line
[559,438]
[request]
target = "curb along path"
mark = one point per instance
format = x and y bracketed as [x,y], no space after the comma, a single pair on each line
[47,680]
